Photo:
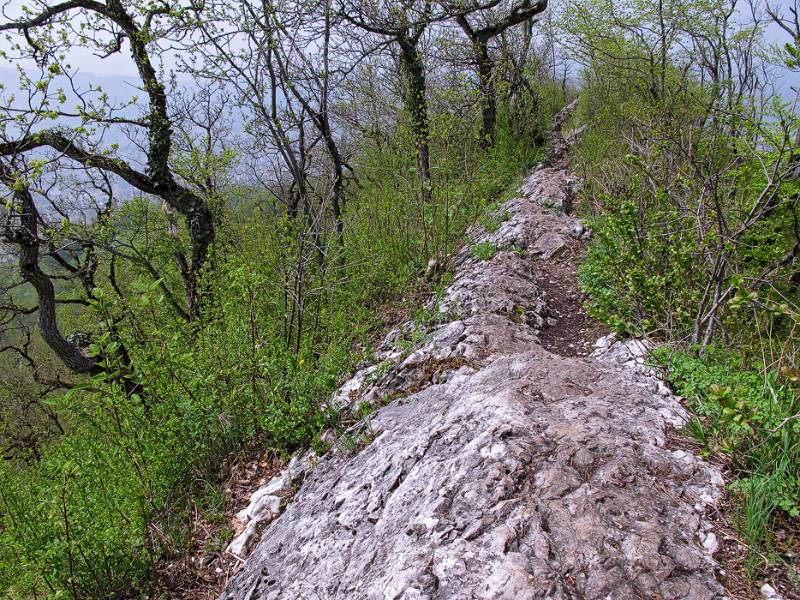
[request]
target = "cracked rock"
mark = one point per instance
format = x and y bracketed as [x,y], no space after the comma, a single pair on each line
[499,469]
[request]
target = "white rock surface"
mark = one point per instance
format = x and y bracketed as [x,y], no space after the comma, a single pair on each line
[267,502]
[498,469]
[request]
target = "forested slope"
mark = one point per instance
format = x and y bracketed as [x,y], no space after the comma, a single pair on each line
[194,260]
[150,336]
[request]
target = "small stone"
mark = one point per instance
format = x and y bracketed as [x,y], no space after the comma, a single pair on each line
[711,544]
[770,593]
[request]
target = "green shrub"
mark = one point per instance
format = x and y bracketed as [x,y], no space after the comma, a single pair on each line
[484,250]
[751,419]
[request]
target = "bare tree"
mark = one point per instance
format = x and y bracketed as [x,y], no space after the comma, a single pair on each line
[21,227]
[403,25]
[276,59]
[480,26]
[45,35]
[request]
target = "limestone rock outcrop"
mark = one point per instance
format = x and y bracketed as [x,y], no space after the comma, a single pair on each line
[492,468]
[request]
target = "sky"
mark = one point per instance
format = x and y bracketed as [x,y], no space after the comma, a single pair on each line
[115,65]
[117,73]
[120,64]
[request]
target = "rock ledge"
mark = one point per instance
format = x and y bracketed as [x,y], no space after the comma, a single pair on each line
[496,469]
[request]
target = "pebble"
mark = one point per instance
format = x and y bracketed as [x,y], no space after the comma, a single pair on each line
[711,544]
[770,593]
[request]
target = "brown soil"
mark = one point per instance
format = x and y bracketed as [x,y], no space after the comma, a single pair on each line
[203,570]
[783,574]
[573,332]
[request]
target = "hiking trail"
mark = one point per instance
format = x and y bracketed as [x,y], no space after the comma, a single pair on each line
[508,455]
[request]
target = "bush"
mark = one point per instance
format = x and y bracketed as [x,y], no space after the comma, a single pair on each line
[633,265]
[751,419]
[484,250]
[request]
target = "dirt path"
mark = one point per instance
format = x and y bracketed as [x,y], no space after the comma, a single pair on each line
[569,331]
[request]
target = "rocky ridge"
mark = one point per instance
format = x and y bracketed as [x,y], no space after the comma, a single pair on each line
[491,467]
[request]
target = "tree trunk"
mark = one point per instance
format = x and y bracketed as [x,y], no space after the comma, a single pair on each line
[196,212]
[488,95]
[522,13]
[28,240]
[413,71]
[200,222]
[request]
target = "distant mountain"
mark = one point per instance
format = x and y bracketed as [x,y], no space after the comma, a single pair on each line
[119,88]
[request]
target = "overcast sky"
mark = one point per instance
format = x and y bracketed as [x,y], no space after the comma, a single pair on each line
[81,58]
